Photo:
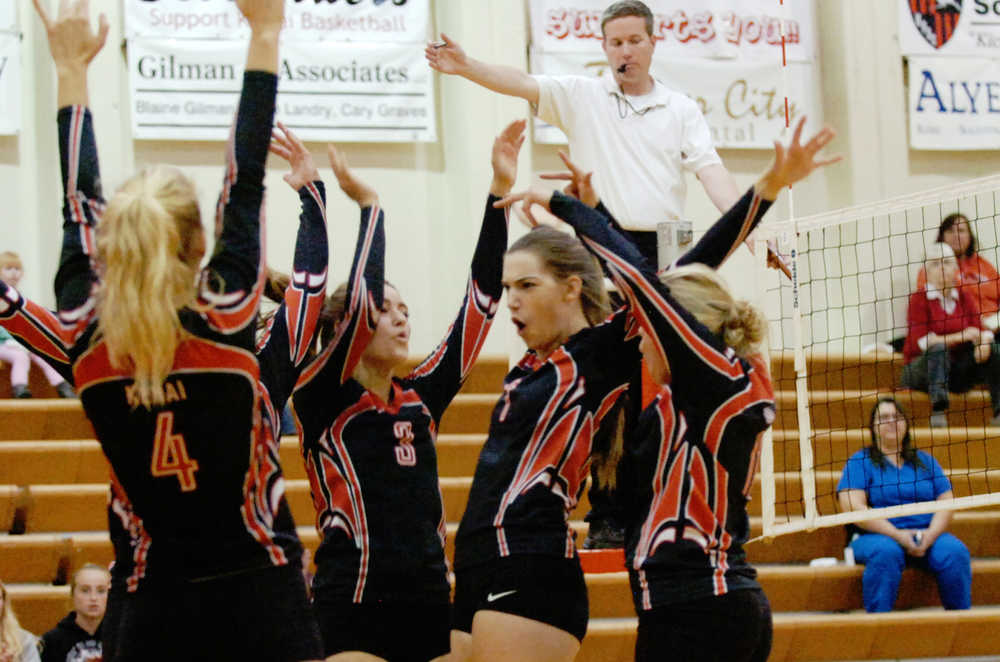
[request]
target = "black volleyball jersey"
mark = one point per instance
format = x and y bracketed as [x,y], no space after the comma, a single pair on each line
[197,471]
[690,463]
[282,350]
[372,464]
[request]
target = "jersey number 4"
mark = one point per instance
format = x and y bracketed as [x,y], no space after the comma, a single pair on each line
[170,456]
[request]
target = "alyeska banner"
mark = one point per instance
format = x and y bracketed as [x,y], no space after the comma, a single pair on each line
[954,103]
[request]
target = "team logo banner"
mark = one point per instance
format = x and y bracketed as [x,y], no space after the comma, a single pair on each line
[742,102]
[10,83]
[962,28]
[327,91]
[349,20]
[954,103]
[727,29]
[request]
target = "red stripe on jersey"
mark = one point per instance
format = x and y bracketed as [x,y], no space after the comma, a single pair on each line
[745,228]
[132,523]
[548,444]
[43,330]
[352,487]
[660,510]
[303,304]
[263,490]
[702,497]
[192,355]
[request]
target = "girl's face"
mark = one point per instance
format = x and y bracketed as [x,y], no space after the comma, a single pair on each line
[540,304]
[390,345]
[90,595]
[958,236]
[890,427]
[941,273]
[11,274]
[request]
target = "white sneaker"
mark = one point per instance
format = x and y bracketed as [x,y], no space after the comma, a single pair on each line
[939,419]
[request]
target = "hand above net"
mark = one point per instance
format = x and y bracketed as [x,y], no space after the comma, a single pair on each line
[72,42]
[506,147]
[796,161]
[354,188]
[580,184]
[287,145]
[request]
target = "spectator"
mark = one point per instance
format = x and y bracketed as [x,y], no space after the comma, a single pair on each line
[16,355]
[77,637]
[975,272]
[947,349]
[891,472]
[16,644]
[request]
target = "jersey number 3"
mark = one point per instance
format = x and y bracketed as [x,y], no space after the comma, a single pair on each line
[170,456]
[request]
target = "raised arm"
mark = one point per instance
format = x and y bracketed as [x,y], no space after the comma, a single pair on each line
[439,377]
[232,282]
[283,349]
[73,46]
[447,57]
[363,299]
[38,329]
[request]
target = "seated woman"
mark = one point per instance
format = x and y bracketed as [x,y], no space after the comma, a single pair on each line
[975,273]
[947,348]
[891,472]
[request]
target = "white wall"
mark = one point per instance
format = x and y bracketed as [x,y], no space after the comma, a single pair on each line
[433,193]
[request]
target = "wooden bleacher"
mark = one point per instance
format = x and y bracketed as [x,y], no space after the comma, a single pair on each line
[53,493]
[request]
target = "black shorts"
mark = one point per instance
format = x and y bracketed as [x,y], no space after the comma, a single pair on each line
[733,627]
[257,615]
[395,631]
[547,589]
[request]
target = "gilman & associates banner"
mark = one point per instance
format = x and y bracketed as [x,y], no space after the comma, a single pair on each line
[348,72]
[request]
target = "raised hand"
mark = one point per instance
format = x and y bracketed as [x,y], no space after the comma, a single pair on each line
[287,145]
[536,196]
[263,14]
[72,42]
[446,56]
[356,190]
[579,186]
[794,162]
[506,147]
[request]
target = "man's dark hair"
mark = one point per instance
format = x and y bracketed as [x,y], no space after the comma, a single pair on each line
[628,8]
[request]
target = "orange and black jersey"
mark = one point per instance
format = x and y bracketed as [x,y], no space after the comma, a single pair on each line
[372,464]
[690,462]
[196,472]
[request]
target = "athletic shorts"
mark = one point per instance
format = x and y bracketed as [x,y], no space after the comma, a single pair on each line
[733,627]
[395,631]
[260,615]
[547,589]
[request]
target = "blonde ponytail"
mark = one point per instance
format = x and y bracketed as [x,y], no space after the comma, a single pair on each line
[149,244]
[705,294]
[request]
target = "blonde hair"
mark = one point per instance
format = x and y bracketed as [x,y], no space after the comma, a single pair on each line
[10,628]
[705,294]
[10,259]
[149,245]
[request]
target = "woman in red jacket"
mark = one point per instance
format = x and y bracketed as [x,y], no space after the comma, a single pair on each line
[947,347]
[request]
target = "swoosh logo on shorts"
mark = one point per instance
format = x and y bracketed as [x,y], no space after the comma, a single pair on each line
[496,596]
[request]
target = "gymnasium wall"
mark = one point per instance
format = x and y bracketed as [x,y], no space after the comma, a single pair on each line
[433,194]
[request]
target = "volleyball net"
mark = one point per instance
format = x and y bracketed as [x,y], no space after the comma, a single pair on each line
[835,340]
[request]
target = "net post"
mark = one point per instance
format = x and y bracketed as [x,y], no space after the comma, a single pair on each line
[767,489]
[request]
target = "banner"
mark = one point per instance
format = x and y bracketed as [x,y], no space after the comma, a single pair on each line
[327,91]
[962,28]
[8,15]
[716,29]
[954,103]
[352,20]
[10,83]
[743,103]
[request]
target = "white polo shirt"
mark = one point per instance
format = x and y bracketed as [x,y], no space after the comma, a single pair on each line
[638,153]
